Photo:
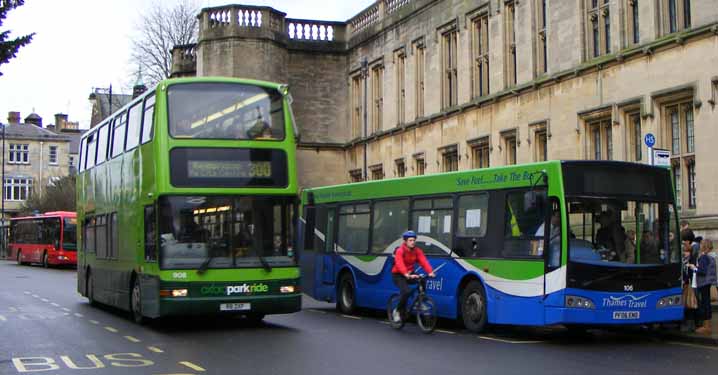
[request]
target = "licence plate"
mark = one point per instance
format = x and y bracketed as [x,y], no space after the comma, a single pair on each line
[235,307]
[624,315]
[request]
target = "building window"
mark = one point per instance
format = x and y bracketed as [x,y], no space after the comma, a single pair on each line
[377,95]
[691,174]
[377,172]
[677,183]
[540,35]
[400,87]
[420,165]
[480,153]
[18,189]
[635,136]
[419,59]
[400,168]
[676,15]
[355,175]
[19,154]
[601,139]
[450,159]
[510,38]
[632,23]
[480,53]
[357,105]
[690,134]
[449,84]
[541,144]
[53,155]
[510,144]
[599,23]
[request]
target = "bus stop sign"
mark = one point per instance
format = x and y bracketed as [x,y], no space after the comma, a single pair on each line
[650,139]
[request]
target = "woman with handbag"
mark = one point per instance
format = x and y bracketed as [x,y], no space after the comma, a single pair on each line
[690,302]
[706,271]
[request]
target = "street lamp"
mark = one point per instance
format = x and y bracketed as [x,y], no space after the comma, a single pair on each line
[2,207]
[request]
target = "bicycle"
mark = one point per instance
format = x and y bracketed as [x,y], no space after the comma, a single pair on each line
[422,305]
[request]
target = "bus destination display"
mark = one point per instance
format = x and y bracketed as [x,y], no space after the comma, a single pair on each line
[228,169]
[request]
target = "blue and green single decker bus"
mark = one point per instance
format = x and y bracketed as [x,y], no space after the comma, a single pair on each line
[186,199]
[579,243]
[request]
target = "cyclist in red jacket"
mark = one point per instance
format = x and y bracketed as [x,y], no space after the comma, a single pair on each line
[405,259]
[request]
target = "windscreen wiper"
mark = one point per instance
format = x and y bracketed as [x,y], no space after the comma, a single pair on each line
[205,265]
[264,262]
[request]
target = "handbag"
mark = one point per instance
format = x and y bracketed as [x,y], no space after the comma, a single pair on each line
[689,297]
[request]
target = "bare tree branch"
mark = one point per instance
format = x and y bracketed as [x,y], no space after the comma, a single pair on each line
[161,27]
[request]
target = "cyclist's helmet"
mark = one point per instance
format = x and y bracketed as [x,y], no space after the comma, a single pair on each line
[409,234]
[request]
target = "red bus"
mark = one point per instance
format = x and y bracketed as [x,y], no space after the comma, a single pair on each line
[49,239]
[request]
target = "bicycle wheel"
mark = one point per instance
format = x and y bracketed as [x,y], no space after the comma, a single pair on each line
[394,317]
[426,313]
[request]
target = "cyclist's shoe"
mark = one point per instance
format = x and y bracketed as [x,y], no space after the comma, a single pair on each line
[396,316]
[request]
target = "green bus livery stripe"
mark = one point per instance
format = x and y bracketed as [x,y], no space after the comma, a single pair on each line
[516,270]
[366,258]
[230,275]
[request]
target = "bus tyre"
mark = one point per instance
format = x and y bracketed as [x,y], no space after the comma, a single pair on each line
[44,260]
[473,307]
[346,301]
[136,303]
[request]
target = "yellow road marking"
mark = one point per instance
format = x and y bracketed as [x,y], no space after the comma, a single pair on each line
[192,366]
[79,315]
[113,330]
[133,339]
[3,318]
[692,345]
[351,317]
[94,322]
[509,341]
[443,331]
[155,349]
[54,304]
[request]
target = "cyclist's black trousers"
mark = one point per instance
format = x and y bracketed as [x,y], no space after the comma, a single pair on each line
[404,290]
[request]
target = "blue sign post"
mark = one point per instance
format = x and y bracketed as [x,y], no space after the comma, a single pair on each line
[650,140]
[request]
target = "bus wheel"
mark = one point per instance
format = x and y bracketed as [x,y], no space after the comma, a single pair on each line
[346,301]
[136,303]
[44,260]
[473,307]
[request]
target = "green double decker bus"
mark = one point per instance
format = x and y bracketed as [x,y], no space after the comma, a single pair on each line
[186,201]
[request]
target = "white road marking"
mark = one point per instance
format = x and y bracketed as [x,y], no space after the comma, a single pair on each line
[510,341]
[113,330]
[54,304]
[94,322]
[79,315]
[133,339]
[3,318]
[351,317]
[693,345]
[26,292]
[155,349]
[317,311]
[44,300]
[192,366]
[66,309]
[444,331]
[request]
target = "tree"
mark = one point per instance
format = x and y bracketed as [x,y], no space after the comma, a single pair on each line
[59,196]
[9,48]
[160,29]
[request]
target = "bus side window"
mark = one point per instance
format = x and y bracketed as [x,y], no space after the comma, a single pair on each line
[150,233]
[148,120]
[309,225]
[524,223]
[472,225]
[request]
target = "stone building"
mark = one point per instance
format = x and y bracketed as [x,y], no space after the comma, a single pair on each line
[409,87]
[34,157]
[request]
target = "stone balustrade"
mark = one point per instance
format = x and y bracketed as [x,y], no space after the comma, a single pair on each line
[374,14]
[184,60]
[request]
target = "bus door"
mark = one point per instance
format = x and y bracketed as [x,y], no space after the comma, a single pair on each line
[521,292]
[316,260]
[308,249]
[329,257]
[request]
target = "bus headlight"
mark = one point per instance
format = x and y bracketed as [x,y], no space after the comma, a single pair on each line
[579,302]
[670,301]
[173,293]
[288,289]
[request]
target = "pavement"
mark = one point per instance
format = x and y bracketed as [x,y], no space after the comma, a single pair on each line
[674,332]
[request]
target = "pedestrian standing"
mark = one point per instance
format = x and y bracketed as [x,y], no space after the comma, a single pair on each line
[689,294]
[706,272]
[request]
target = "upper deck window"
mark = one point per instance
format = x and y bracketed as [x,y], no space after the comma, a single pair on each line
[225,111]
